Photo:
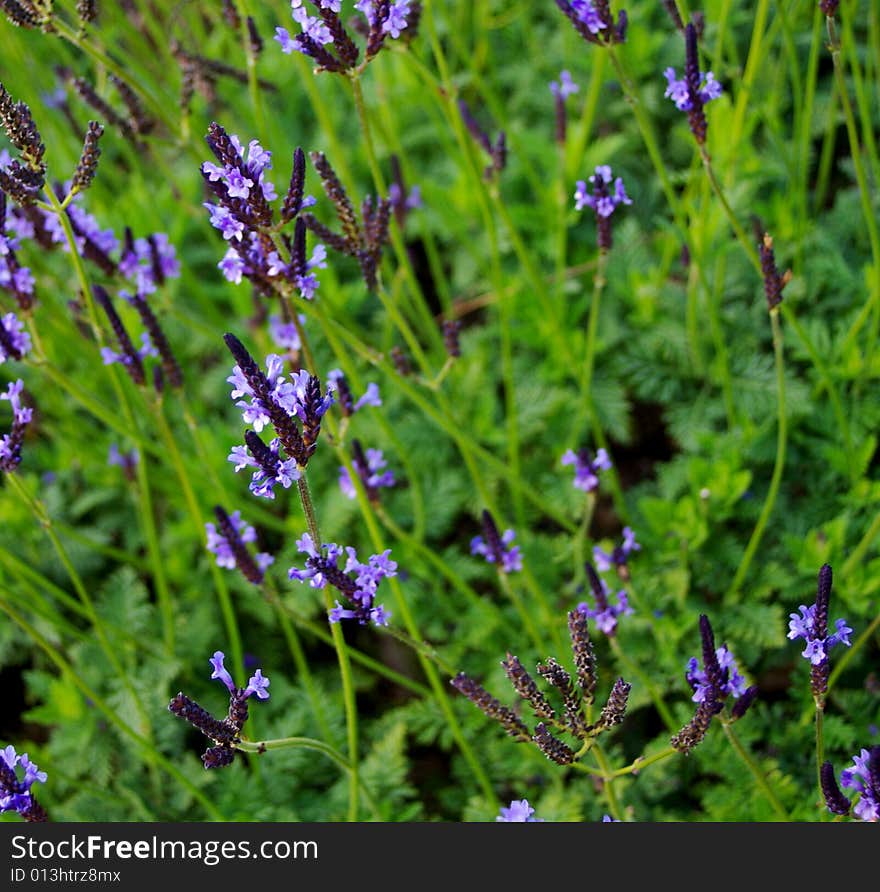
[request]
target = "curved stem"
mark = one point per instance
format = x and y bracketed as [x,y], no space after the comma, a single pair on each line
[756,772]
[318,746]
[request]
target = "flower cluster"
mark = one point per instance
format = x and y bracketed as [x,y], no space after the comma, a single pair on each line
[718,679]
[576,694]
[229,545]
[285,334]
[695,89]
[10,445]
[384,18]
[604,613]
[593,21]
[619,557]
[244,213]
[356,582]
[586,468]
[15,342]
[774,281]
[369,467]
[347,404]
[812,626]
[225,733]
[601,200]
[293,407]
[15,793]
[863,778]
[519,812]
[496,547]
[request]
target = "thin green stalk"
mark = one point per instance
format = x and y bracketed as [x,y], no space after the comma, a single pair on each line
[45,522]
[820,748]
[756,772]
[858,553]
[318,746]
[348,692]
[608,785]
[778,466]
[857,646]
[222,592]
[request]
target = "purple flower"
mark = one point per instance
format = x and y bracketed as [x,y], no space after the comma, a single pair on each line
[677,89]
[586,12]
[256,685]
[356,581]
[368,467]
[285,334]
[15,342]
[733,682]
[619,556]
[394,22]
[604,613]
[271,469]
[566,86]
[228,552]
[864,778]
[371,395]
[804,626]
[601,199]
[586,470]
[15,791]
[496,548]
[10,444]
[812,625]
[519,811]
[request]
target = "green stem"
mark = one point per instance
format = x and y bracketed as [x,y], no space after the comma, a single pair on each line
[779,465]
[820,747]
[318,746]
[756,772]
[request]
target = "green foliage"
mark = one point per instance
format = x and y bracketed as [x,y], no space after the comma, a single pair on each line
[110,602]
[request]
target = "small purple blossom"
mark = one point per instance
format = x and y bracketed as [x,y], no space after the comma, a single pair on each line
[604,612]
[734,682]
[519,812]
[356,581]
[804,626]
[284,334]
[586,470]
[371,396]
[15,342]
[256,685]
[619,556]
[221,547]
[601,200]
[11,443]
[372,475]
[677,89]
[269,473]
[864,778]
[496,548]
[15,791]
[565,87]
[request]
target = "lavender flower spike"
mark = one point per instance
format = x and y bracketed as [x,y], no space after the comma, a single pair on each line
[586,469]
[229,545]
[602,201]
[619,556]
[224,733]
[696,88]
[356,582]
[604,613]
[812,626]
[864,778]
[369,469]
[11,443]
[15,342]
[497,548]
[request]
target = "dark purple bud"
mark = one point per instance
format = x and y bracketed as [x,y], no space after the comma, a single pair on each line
[401,361]
[773,281]
[21,15]
[552,747]
[132,359]
[294,197]
[254,39]
[376,38]
[582,650]
[745,700]
[615,708]
[525,686]
[138,120]
[491,707]
[170,365]
[88,160]
[837,803]
[218,756]
[87,93]
[451,328]
[188,709]
[339,197]
[86,11]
